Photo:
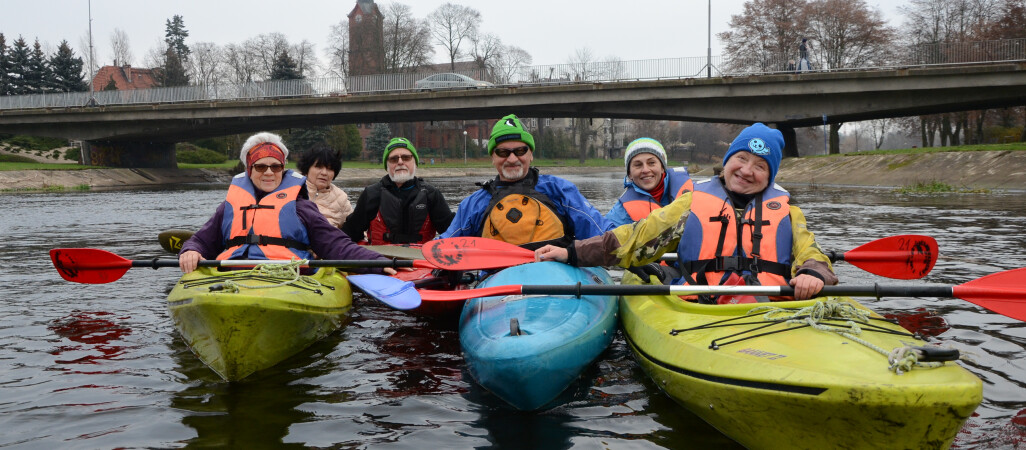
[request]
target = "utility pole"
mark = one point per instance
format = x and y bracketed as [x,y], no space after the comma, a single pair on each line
[92,98]
[708,50]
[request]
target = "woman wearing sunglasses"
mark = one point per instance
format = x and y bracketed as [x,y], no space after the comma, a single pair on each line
[267,214]
[521,206]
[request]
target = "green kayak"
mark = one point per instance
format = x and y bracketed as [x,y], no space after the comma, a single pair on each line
[241,321]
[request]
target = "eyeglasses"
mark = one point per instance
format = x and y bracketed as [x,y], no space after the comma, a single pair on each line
[261,168]
[519,151]
[395,159]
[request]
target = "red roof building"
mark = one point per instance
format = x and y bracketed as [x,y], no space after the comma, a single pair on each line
[125,77]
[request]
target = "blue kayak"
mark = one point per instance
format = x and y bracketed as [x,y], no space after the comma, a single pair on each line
[527,349]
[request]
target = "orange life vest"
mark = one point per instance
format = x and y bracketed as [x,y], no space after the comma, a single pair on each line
[264,229]
[520,215]
[716,245]
[639,206]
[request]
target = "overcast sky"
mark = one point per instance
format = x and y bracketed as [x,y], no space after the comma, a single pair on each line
[550,30]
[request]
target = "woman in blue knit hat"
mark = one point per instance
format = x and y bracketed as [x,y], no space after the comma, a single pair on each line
[736,229]
[648,185]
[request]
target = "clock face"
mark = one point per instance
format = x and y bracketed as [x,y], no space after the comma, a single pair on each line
[359,17]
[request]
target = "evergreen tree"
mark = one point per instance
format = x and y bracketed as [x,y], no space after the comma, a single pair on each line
[4,84]
[175,34]
[306,138]
[18,63]
[285,68]
[353,142]
[67,70]
[173,73]
[346,140]
[38,78]
[111,85]
[378,139]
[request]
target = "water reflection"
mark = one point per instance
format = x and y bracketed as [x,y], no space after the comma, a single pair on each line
[92,361]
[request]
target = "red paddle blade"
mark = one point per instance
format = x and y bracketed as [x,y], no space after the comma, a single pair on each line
[89,265]
[905,257]
[1002,292]
[428,295]
[472,253]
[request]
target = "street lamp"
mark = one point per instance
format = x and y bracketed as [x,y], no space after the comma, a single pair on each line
[464,147]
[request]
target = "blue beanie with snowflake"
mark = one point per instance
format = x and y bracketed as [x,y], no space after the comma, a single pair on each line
[762,141]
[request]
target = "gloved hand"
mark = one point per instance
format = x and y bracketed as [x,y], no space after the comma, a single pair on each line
[648,270]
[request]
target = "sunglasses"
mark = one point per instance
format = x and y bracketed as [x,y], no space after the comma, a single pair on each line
[261,168]
[504,152]
[395,159]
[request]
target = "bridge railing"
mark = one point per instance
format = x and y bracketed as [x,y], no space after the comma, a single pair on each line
[603,71]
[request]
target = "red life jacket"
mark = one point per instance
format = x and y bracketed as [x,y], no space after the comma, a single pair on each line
[265,229]
[639,205]
[715,245]
[393,219]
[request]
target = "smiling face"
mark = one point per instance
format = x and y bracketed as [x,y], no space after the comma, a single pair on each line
[645,170]
[746,173]
[268,180]
[402,166]
[512,167]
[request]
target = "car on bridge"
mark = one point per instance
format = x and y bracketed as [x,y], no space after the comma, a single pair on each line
[449,81]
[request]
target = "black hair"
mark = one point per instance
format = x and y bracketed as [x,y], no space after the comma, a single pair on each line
[320,155]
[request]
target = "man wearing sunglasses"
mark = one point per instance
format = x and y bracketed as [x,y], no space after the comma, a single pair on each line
[267,214]
[521,206]
[400,208]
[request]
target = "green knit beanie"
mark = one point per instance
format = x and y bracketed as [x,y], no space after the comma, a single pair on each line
[399,142]
[509,129]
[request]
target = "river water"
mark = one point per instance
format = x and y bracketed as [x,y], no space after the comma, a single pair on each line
[101,366]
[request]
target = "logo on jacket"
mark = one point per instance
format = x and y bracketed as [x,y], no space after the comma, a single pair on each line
[281,195]
[773,205]
[758,146]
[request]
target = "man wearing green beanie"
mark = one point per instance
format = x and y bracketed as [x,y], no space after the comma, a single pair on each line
[400,208]
[520,205]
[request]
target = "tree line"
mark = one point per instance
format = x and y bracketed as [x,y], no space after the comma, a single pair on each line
[28,70]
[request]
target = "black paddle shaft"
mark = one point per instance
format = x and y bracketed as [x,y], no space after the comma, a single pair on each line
[783,291]
[156,263]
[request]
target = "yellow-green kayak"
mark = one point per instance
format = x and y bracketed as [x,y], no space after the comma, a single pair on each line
[768,383]
[241,321]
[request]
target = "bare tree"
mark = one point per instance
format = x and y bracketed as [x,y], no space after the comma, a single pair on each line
[510,61]
[451,25]
[407,39]
[612,68]
[579,65]
[485,51]
[157,54]
[206,64]
[240,66]
[305,57]
[936,21]
[764,35]
[120,48]
[262,51]
[338,49]
[848,33]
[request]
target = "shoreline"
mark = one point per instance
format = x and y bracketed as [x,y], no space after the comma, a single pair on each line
[1001,170]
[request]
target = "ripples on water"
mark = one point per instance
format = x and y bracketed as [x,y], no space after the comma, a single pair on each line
[101,366]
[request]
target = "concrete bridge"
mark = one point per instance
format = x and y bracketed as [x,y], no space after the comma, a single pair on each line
[144,135]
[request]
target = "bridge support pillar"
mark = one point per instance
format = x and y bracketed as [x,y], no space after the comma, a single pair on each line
[129,154]
[790,141]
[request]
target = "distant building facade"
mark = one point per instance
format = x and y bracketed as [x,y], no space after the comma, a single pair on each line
[124,78]
[366,39]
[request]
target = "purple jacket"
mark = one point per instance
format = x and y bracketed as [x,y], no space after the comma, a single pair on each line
[326,241]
